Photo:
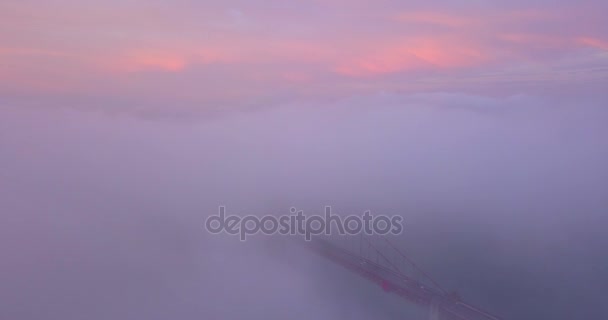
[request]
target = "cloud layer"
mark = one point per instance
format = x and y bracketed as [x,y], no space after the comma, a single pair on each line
[216,55]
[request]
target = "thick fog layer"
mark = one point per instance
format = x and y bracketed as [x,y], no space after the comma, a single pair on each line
[503,199]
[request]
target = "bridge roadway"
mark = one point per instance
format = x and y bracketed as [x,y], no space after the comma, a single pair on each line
[443,306]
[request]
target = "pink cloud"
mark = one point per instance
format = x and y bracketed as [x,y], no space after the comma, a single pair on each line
[415,54]
[260,52]
[594,42]
[171,63]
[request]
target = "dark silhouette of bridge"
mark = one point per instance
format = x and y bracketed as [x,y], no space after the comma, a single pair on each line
[379,261]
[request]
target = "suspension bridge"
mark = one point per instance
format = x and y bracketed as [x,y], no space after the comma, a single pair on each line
[381,262]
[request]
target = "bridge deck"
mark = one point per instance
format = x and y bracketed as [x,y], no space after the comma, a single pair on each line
[397,283]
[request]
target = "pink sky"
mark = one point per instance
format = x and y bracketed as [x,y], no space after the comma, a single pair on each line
[227,54]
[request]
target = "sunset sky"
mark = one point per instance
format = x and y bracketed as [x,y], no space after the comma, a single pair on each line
[125,123]
[217,55]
